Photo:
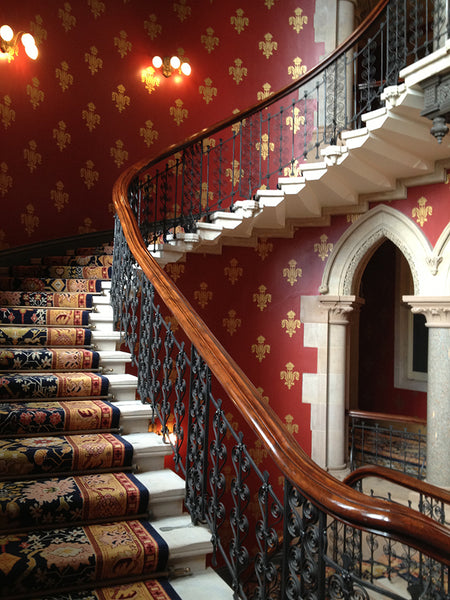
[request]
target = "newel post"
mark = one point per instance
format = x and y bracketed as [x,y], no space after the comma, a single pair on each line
[437,313]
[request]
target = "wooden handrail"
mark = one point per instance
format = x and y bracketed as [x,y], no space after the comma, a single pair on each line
[378,416]
[401,479]
[323,490]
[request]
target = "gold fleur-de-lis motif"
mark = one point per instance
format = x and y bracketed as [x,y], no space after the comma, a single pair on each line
[149,134]
[208,143]
[258,453]
[260,348]
[294,170]
[62,137]
[268,46]
[38,31]
[295,122]
[122,44]
[298,20]
[150,80]
[152,27]
[239,21]
[6,180]
[262,297]
[266,92]
[263,248]
[290,425]
[7,113]
[97,7]
[29,220]
[234,173]
[173,323]
[297,68]
[65,78]
[174,270]
[292,272]
[59,196]
[182,9]
[118,153]
[269,3]
[233,272]
[323,249]
[32,156]
[238,71]
[36,95]
[291,323]
[178,113]
[119,97]
[351,218]
[94,62]
[210,41]
[207,90]
[87,226]
[264,146]
[289,376]
[205,196]
[67,19]
[231,323]
[88,174]
[90,116]
[422,212]
[203,295]
[265,399]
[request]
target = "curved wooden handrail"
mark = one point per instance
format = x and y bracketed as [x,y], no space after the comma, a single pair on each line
[323,490]
[401,479]
[377,416]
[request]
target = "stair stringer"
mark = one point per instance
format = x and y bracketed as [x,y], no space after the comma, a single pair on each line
[394,151]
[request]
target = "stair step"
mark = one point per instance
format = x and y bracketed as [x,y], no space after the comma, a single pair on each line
[55,385]
[204,585]
[52,359]
[122,386]
[167,491]
[47,299]
[46,336]
[134,416]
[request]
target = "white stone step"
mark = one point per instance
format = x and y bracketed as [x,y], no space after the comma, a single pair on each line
[122,386]
[204,585]
[134,416]
[114,361]
[106,340]
[149,451]
[188,544]
[167,491]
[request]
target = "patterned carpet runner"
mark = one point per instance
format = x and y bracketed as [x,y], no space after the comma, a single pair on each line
[72,516]
[49,359]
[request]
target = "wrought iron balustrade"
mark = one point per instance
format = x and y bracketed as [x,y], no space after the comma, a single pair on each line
[227,163]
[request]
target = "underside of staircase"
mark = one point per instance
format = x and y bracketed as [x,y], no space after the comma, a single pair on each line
[378,162]
[87,508]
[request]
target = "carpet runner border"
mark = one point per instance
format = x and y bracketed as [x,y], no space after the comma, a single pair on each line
[66,501]
[51,385]
[38,418]
[53,316]
[154,589]
[90,260]
[48,359]
[61,272]
[37,284]
[63,557]
[45,336]
[81,300]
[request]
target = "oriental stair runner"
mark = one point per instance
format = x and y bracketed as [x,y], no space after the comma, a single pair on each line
[73,516]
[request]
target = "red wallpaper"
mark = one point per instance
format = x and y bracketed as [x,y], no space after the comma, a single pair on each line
[72,120]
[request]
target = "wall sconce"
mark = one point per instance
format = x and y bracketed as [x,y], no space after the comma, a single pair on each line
[9,43]
[170,64]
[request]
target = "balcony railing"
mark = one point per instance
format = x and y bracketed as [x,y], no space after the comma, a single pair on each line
[281,527]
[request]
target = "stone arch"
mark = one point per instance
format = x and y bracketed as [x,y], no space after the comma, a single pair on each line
[343,271]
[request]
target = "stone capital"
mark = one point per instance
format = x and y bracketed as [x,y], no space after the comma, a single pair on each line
[340,308]
[436,309]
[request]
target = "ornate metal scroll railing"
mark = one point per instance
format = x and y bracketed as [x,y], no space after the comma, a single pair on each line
[276,519]
[227,163]
[393,441]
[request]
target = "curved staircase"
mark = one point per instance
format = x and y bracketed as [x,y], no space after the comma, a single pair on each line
[87,509]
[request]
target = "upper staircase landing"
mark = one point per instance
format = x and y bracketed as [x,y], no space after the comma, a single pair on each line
[378,162]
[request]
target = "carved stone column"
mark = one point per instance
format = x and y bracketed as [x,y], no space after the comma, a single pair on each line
[340,310]
[437,313]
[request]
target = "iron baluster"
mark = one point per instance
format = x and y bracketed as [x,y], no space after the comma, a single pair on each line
[179,410]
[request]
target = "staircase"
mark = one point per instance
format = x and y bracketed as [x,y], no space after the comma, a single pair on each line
[87,509]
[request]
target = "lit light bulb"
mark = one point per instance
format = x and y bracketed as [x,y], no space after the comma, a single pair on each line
[175,62]
[32,51]
[186,68]
[6,33]
[157,62]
